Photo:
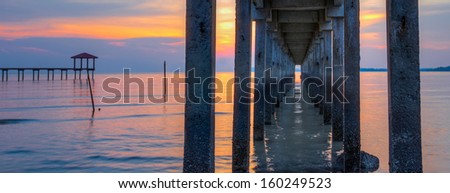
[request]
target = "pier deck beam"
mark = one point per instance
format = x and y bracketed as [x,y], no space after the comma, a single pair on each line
[405,149]
[352,133]
[259,110]
[200,71]
[241,115]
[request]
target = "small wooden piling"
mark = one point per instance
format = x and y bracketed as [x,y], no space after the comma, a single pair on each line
[165,83]
[90,90]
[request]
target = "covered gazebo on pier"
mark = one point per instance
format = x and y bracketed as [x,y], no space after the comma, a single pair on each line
[79,68]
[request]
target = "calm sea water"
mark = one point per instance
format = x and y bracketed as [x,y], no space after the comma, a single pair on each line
[47,126]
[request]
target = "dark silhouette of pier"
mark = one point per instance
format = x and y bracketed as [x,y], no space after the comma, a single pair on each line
[77,69]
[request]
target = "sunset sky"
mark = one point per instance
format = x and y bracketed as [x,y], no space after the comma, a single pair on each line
[141,34]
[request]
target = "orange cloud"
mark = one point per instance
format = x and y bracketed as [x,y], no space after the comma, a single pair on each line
[370,36]
[98,28]
[33,49]
[444,45]
[225,28]
[118,44]
[369,18]
[170,25]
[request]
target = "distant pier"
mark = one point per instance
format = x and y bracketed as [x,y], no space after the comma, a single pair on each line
[77,69]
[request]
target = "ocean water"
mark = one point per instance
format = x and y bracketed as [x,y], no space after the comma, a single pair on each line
[48,126]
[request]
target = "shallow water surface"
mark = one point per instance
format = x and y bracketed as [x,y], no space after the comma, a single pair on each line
[47,126]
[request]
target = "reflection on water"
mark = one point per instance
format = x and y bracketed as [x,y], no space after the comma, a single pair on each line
[46,126]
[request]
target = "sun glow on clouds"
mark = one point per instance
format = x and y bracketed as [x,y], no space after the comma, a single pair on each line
[373,18]
[169,23]
[166,18]
[97,28]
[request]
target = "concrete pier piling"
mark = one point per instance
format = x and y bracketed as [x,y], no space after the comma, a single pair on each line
[241,115]
[268,99]
[405,147]
[352,132]
[200,66]
[260,58]
[338,73]
[327,78]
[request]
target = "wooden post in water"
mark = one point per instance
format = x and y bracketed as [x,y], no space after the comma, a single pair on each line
[74,69]
[92,96]
[165,91]
[93,72]
[405,144]
[81,68]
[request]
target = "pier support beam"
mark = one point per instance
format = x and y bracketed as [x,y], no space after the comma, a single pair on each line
[268,99]
[241,115]
[260,50]
[321,73]
[405,147]
[200,74]
[327,79]
[338,72]
[352,135]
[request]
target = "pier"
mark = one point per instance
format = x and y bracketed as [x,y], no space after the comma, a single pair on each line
[321,36]
[36,72]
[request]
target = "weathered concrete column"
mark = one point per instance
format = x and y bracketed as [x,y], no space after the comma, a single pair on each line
[327,79]
[321,72]
[304,77]
[260,59]
[405,147]
[316,73]
[200,71]
[268,100]
[276,75]
[352,135]
[241,115]
[338,72]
